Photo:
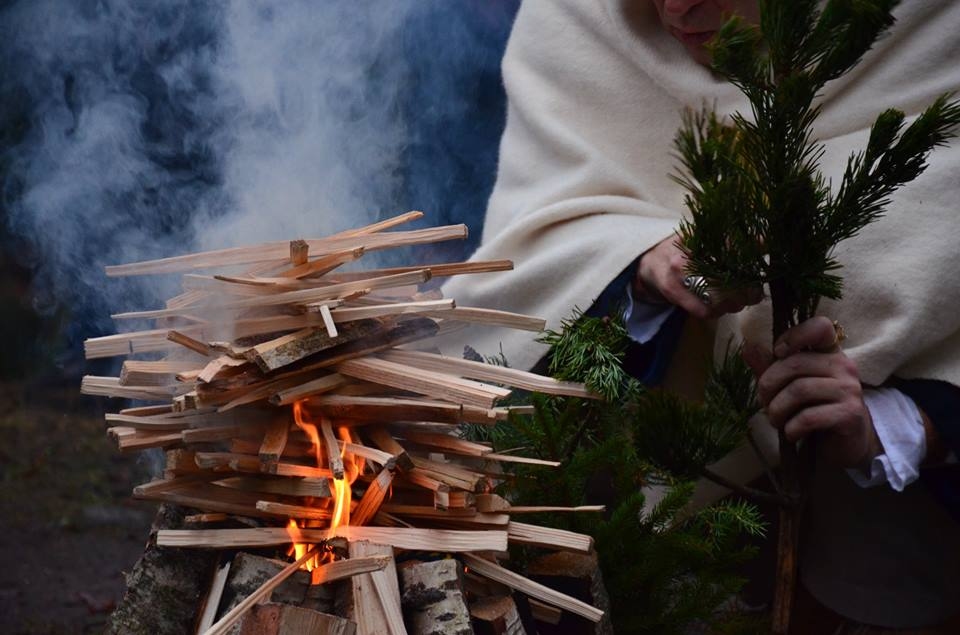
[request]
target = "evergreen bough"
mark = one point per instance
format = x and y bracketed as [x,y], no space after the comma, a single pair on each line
[761,213]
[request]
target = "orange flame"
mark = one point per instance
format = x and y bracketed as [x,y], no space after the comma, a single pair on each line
[298,549]
[342,494]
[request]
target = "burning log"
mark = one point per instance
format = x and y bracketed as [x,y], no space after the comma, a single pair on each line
[288,396]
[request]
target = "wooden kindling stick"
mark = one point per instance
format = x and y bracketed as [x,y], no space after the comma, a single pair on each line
[333,448]
[187,341]
[373,498]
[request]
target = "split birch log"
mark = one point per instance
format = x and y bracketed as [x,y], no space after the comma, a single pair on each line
[225,623]
[496,615]
[432,598]
[376,595]
[165,586]
[284,619]
[249,572]
[579,576]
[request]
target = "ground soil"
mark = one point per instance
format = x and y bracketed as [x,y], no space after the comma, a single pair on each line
[68,526]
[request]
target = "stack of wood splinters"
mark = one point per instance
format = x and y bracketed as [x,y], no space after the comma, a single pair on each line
[309,399]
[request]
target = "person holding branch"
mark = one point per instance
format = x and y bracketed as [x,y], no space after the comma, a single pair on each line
[586,208]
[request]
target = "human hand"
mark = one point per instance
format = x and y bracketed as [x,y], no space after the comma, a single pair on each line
[809,385]
[660,278]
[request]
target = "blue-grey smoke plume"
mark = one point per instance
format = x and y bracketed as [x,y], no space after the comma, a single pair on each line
[133,129]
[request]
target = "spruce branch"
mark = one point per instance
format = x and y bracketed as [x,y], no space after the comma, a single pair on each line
[591,350]
[764,169]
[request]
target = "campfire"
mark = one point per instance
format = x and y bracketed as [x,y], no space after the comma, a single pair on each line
[301,407]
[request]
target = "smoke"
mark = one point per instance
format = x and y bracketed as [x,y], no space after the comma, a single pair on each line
[133,130]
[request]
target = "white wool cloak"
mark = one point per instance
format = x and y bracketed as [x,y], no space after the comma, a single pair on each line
[596,90]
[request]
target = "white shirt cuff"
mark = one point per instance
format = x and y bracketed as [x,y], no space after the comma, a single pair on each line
[899,427]
[643,319]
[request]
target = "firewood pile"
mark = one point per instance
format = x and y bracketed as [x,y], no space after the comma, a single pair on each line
[301,407]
